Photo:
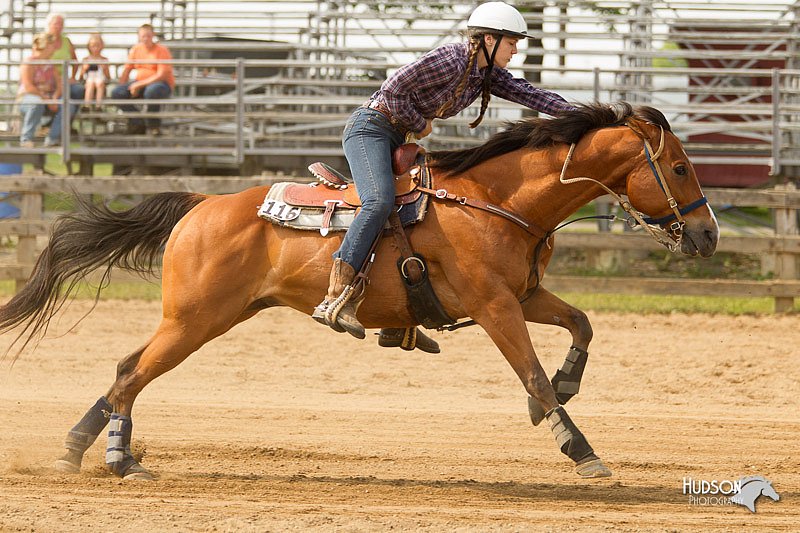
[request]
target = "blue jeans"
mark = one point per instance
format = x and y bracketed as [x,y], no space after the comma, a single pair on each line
[32,110]
[368,140]
[158,90]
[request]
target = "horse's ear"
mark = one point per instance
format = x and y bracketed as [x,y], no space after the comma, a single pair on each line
[637,125]
[651,115]
[645,129]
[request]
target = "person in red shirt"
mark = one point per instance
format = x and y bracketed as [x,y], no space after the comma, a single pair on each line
[153,81]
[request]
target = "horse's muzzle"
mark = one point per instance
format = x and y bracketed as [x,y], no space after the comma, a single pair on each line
[700,238]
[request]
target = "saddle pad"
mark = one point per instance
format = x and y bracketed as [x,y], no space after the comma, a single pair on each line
[278,210]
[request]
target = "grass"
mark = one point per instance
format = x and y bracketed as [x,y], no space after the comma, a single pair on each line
[662,264]
[619,303]
[658,304]
[58,202]
[55,166]
[127,290]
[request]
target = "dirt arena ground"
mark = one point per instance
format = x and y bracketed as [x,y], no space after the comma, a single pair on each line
[283,425]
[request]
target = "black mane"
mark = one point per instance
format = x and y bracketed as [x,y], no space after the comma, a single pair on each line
[541,132]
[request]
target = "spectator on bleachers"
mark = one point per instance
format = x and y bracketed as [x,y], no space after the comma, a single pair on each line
[153,81]
[94,71]
[39,82]
[64,51]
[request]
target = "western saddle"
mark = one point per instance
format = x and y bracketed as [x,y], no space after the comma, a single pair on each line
[408,163]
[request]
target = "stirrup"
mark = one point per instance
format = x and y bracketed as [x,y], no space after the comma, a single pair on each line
[345,305]
[319,314]
[408,339]
[337,304]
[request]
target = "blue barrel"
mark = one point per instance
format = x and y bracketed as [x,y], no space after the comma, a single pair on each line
[7,210]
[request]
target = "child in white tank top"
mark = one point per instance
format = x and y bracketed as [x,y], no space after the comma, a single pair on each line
[95,71]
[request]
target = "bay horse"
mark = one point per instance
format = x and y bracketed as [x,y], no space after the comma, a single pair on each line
[222,264]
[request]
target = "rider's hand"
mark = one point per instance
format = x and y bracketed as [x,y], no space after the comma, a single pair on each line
[427,131]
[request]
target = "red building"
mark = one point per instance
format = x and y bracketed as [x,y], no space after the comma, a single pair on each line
[729,43]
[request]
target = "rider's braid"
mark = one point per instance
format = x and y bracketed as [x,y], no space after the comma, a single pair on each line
[485,97]
[474,46]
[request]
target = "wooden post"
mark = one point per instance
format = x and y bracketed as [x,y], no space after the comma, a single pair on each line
[602,260]
[86,166]
[30,210]
[240,112]
[610,260]
[785,263]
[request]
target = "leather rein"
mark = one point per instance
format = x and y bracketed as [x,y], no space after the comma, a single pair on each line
[443,194]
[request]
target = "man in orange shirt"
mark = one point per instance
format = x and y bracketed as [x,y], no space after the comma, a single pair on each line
[153,81]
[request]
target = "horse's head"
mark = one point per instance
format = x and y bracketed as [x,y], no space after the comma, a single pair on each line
[768,490]
[751,487]
[664,186]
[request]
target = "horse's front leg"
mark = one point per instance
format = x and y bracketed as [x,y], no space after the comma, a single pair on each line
[504,321]
[543,307]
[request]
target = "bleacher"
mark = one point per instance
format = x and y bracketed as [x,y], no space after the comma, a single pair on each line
[268,85]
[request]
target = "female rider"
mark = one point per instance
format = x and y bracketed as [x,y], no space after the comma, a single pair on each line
[440,84]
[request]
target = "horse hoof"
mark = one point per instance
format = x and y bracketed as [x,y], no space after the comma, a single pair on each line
[64,466]
[593,469]
[137,472]
[139,476]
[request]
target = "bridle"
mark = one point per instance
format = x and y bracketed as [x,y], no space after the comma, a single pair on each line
[671,237]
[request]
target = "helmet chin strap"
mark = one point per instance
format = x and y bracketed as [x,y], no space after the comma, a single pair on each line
[490,58]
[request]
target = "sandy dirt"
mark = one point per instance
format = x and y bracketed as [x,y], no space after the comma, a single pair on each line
[284,425]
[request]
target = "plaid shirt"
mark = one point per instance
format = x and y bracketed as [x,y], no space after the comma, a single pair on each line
[418,89]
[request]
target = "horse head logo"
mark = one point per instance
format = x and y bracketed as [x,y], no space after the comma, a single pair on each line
[751,488]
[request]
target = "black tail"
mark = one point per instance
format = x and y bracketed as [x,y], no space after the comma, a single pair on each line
[82,242]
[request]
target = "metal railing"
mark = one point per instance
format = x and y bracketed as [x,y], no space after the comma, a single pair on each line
[300,111]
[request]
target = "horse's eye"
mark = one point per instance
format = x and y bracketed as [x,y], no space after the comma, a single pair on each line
[681,170]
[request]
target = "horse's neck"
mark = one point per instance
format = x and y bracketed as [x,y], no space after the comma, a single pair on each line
[527,182]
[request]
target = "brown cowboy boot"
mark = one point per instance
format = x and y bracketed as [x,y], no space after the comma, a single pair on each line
[407,339]
[338,309]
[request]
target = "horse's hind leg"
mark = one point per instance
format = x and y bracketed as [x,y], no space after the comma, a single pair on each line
[81,437]
[173,342]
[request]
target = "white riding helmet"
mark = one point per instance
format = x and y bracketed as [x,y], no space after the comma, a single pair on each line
[498,17]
